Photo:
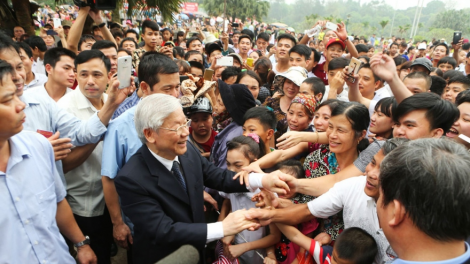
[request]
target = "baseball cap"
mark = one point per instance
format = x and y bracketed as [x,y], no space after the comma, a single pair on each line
[422,46]
[200,105]
[423,62]
[335,41]
[66,23]
[236,56]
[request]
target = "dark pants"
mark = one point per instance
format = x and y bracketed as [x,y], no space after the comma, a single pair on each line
[100,231]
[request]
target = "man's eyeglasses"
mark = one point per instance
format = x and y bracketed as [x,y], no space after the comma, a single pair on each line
[179,130]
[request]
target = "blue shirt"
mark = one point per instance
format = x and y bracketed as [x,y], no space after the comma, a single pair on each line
[219,148]
[465,258]
[43,113]
[129,102]
[29,192]
[120,143]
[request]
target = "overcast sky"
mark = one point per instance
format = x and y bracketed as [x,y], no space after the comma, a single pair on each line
[403,4]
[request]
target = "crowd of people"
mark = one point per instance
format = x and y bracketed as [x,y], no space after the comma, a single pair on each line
[249,143]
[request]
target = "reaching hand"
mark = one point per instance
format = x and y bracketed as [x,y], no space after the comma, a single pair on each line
[273,182]
[264,216]
[253,167]
[347,78]
[208,198]
[383,66]
[116,95]
[289,139]
[236,222]
[341,31]
[61,146]
[60,32]
[337,82]
[95,14]
[265,199]
[85,255]
[236,251]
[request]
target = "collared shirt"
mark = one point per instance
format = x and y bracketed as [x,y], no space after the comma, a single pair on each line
[343,96]
[215,231]
[38,81]
[120,143]
[128,103]
[84,188]
[465,258]
[43,113]
[138,54]
[38,67]
[42,90]
[359,210]
[29,192]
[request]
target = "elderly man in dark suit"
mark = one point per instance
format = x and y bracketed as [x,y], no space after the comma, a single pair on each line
[161,186]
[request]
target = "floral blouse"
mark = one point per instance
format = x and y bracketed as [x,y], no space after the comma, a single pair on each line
[275,104]
[321,162]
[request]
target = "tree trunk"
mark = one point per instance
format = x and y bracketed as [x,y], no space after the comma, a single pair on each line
[23,14]
[7,16]
[116,15]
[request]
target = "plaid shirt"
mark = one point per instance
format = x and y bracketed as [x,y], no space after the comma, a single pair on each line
[138,54]
[129,102]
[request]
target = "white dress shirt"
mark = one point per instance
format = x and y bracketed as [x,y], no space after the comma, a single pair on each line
[42,90]
[359,210]
[38,81]
[38,67]
[84,188]
[215,231]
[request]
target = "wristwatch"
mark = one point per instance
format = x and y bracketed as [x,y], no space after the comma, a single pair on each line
[102,25]
[84,242]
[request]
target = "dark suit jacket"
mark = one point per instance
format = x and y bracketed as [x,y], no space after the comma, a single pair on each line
[165,217]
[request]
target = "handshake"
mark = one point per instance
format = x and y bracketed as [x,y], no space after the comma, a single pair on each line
[274,183]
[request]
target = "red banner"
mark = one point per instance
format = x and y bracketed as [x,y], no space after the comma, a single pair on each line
[190,7]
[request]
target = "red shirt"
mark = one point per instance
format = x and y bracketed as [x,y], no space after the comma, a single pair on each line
[320,73]
[208,144]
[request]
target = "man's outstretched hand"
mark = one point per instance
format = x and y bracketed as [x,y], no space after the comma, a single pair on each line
[237,221]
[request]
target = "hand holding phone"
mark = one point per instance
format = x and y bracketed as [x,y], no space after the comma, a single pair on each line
[249,62]
[57,22]
[331,26]
[353,69]
[225,61]
[457,37]
[124,71]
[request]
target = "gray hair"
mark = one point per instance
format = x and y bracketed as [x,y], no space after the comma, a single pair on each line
[152,111]
[430,178]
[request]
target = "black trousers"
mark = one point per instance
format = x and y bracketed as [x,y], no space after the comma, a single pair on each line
[100,231]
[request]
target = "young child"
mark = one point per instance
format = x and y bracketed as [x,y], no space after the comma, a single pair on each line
[353,245]
[201,134]
[313,86]
[447,63]
[247,245]
[286,250]
[262,122]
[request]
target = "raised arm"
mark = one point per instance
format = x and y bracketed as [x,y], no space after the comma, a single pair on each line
[98,19]
[343,35]
[384,67]
[76,30]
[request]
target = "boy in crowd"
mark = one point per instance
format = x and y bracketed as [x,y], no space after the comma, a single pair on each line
[201,134]
[150,35]
[244,47]
[368,82]
[454,86]
[39,48]
[335,67]
[300,55]
[394,50]
[109,50]
[261,121]
[194,55]
[284,43]
[313,86]
[314,60]
[446,64]
[262,42]
[32,79]
[197,69]
[60,72]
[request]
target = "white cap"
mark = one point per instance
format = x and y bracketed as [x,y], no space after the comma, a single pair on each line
[422,46]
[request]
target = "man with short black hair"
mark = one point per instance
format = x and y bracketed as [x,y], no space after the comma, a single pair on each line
[362,49]
[39,48]
[299,55]
[454,86]
[18,31]
[244,47]
[402,50]
[417,82]
[60,70]
[394,50]
[197,70]
[83,170]
[314,60]
[150,34]
[85,43]
[313,86]
[32,79]
[109,50]
[412,177]
[130,33]
[284,43]
[262,42]
[194,55]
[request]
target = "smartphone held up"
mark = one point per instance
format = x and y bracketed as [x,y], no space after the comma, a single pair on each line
[124,72]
